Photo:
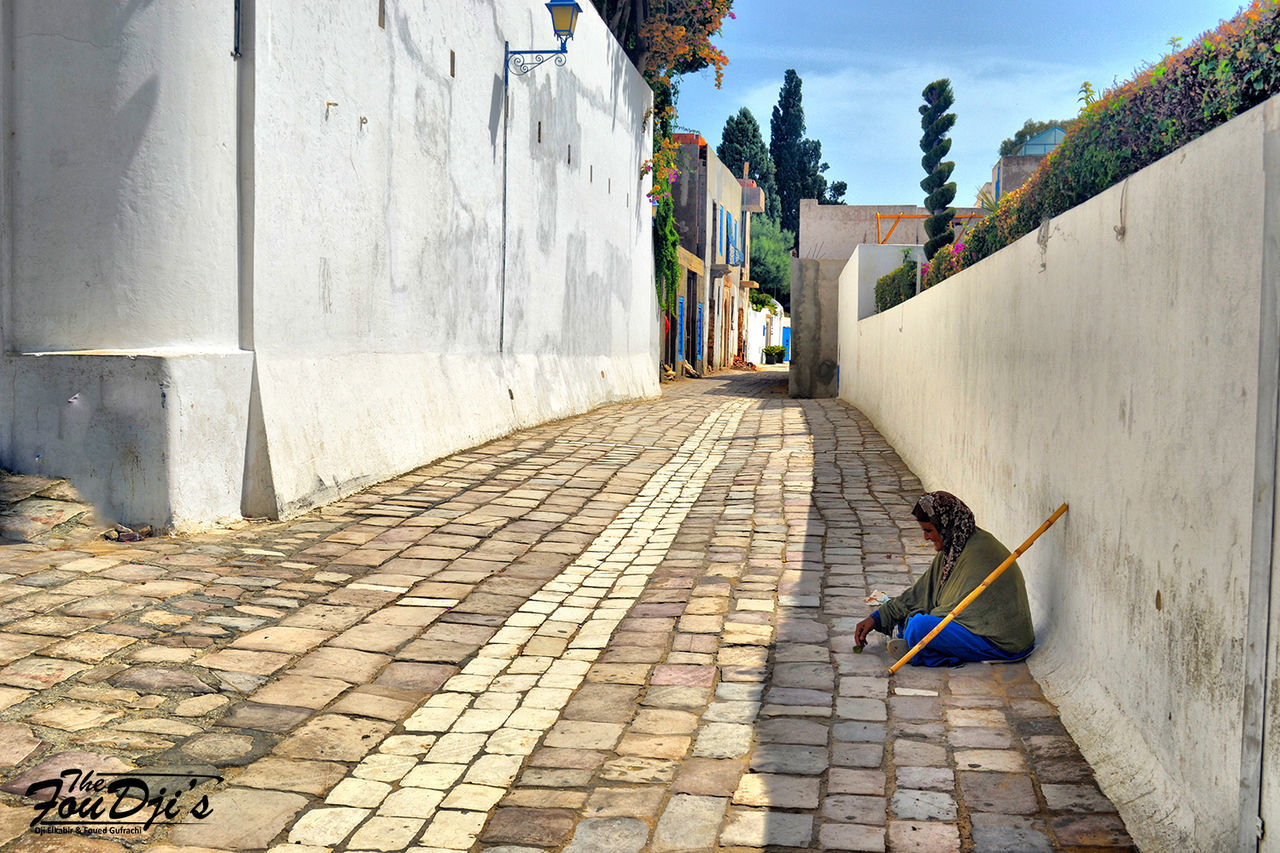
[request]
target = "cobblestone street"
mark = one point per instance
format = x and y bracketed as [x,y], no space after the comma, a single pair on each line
[630,630]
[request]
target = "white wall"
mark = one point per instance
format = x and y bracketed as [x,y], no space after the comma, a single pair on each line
[763,329]
[835,230]
[123,228]
[358,263]
[1116,371]
[868,264]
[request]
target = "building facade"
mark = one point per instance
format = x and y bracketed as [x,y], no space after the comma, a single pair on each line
[713,218]
[257,256]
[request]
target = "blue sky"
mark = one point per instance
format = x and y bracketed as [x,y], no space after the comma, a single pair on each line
[864,65]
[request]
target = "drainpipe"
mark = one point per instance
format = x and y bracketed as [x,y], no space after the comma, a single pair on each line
[243,53]
[1262,541]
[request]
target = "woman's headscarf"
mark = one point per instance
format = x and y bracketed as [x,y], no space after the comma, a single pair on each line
[953,520]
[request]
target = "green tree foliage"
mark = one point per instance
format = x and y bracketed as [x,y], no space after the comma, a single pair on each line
[759,299]
[1029,129]
[896,287]
[936,122]
[741,142]
[666,256]
[1165,106]
[771,257]
[798,160]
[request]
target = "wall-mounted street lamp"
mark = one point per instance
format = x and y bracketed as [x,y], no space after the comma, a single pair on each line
[564,18]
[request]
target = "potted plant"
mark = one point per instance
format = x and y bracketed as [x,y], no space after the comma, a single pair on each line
[774,354]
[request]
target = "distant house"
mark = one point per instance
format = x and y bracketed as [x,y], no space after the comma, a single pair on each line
[833,231]
[1012,171]
[713,218]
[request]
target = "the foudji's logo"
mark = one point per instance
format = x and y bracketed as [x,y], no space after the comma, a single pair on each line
[88,802]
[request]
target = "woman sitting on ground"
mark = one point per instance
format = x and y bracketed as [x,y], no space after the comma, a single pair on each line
[996,626]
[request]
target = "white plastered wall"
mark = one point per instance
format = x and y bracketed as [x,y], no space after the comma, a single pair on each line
[349,293]
[1110,361]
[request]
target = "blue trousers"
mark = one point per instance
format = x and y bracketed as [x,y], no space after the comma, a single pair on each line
[954,646]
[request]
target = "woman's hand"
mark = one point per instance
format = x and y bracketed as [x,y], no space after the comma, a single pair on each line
[865,627]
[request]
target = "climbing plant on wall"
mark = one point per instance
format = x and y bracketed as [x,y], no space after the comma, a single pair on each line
[1166,105]
[936,122]
[664,39]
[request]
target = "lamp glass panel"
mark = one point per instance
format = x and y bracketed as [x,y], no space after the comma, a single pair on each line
[564,17]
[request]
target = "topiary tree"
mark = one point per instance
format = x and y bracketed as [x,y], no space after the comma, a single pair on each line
[936,121]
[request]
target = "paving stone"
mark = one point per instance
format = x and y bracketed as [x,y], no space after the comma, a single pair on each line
[688,823]
[783,758]
[10,696]
[999,760]
[326,827]
[638,770]
[857,754]
[307,777]
[657,721]
[334,737]
[910,804]
[1008,834]
[768,789]
[89,647]
[847,781]
[411,802]
[973,737]
[537,827]
[917,837]
[243,660]
[723,740]
[617,835]
[38,673]
[73,716]
[926,778]
[415,676]
[603,703]
[849,836]
[584,735]
[917,754]
[17,743]
[853,808]
[220,749]
[624,802]
[1075,798]
[384,768]
[64,844]
[53,766]
[259,816]
[305,691]
[265,718]
[1004,793]
[752,828]
[198,706]
[1096,830]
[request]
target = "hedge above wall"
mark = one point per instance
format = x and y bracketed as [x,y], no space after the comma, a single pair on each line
[1222,74]
[896,287]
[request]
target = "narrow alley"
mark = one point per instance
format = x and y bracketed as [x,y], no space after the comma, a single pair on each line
[627,631]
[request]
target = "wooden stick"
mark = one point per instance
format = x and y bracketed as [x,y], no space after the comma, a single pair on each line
[968,599]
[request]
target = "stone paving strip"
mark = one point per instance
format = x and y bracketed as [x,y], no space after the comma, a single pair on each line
[627,631]
[509,698]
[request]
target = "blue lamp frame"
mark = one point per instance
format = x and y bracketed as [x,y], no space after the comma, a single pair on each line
[521,62]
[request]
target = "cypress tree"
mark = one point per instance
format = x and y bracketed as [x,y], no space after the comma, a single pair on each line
[797,160]
[936,121]
[788,149]
[741,142]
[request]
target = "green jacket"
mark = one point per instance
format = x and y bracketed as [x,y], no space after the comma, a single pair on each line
[1001,613]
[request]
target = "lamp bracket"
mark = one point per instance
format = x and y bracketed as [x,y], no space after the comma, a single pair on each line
[516,62]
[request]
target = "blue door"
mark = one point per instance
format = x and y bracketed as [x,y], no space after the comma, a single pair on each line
[679,333]
[698,350]
[786,342]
